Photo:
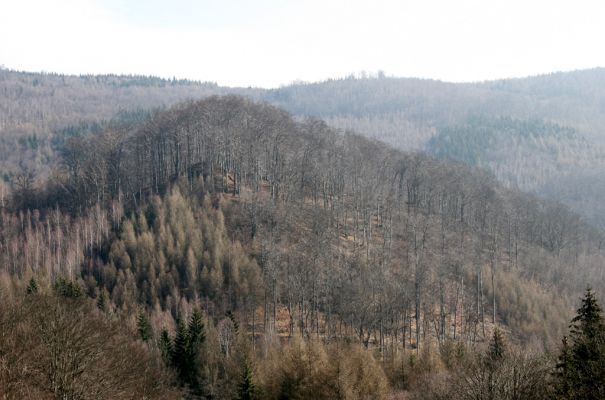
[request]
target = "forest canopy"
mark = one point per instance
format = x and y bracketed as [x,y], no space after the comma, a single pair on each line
[254,254]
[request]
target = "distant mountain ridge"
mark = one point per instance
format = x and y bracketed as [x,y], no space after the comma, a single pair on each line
[409,113]
[513,128]
[526,154]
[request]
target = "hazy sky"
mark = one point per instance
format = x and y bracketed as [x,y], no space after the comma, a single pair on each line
[271,42]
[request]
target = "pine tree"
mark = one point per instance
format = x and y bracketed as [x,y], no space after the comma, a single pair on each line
[581,368]
[247,389]
[144,327]
[32,287]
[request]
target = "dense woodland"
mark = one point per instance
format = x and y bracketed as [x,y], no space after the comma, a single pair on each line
[247,254]
[523,154]
[37,108]
[411,113]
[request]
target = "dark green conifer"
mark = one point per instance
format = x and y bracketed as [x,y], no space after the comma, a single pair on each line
[565,371]
[497,346]
[231,316]
[196,336]
[196,329]
[32,287]
[581,368]
[102,301]
[247,389]
[144,327]
[165,345]
[180,352]
[67,288]
[186,350]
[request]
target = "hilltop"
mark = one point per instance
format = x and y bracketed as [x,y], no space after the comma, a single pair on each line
[38,110]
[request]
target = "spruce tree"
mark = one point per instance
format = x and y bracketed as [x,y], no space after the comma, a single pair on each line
[68,288]
[102,301]
[165,345]
[246,388]
[492,363]
[231,316]
[186,350]
[565,372]
[497,346]
[32,287]
[180,350]
[581,368]
[196,329]
[144,327]
[196,336]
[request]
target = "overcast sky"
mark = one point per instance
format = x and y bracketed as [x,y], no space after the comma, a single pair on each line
[270,42]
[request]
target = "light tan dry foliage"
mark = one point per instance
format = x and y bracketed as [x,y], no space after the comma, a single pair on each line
[311,370]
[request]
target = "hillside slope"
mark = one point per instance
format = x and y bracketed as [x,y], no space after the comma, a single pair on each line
[35,110]
[321,260]
[414,114]
[331,204]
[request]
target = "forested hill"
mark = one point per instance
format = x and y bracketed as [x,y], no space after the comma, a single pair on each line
[524,154]
[408,113]
[402,111]
[39,110]
[381,106]
[322,200]
[247,249]
[571,98]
